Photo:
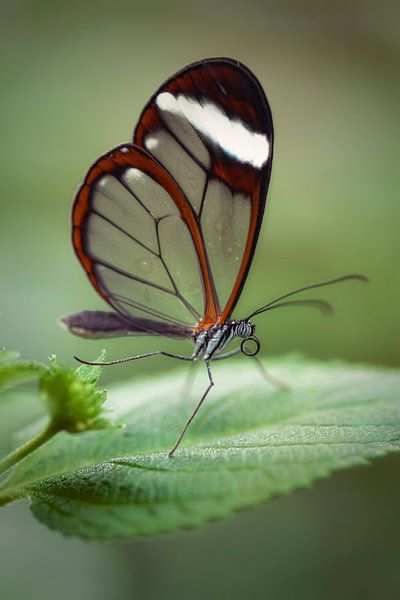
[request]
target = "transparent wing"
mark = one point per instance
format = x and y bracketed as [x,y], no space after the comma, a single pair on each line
[166,228]
[138,239]
[210,126]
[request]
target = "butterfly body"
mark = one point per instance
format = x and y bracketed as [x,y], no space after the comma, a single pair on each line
[213,340]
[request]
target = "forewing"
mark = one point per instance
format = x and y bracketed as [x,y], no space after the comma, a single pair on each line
[139,241]
[210,126]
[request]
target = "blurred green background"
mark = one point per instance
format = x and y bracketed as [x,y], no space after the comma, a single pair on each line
[74,78]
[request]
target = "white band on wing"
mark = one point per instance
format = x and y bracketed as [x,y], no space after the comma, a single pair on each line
[232,135]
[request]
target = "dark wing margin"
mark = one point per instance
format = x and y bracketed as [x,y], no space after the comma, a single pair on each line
[101,324]
[210,126]
[134,233]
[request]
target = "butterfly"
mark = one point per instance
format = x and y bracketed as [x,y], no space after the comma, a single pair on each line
[166,227]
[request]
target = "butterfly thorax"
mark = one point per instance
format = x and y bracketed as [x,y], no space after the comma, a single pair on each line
[214,339]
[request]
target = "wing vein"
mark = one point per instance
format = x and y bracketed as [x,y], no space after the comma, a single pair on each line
[185,148]
[190,308]
[146,309]
[128,189]
[133,277]
[96,212]
[203,196]
[112,198]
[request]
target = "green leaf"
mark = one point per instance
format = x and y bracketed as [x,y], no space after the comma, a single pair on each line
[71,398]
[247,444]
[18,410]
[13,371]
[91,373]
[8,355]
[70,395]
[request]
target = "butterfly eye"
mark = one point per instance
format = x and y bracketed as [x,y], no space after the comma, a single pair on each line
[250,346]
[244,329]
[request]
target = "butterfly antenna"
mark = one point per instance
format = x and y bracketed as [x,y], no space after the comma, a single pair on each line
[321,304]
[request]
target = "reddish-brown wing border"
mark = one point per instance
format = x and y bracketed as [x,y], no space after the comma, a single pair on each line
[113,163]
[234,87]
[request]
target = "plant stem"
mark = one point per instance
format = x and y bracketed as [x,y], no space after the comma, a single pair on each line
[7,499]
[17,455]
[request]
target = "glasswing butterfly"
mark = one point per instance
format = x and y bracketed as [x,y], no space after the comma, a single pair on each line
[166,227]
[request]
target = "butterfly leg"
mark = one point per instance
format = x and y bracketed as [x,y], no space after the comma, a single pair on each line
[227,354]
[130,358]
[279,385]
[196,410]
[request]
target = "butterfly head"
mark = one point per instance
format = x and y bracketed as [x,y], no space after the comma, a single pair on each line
[250,344]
